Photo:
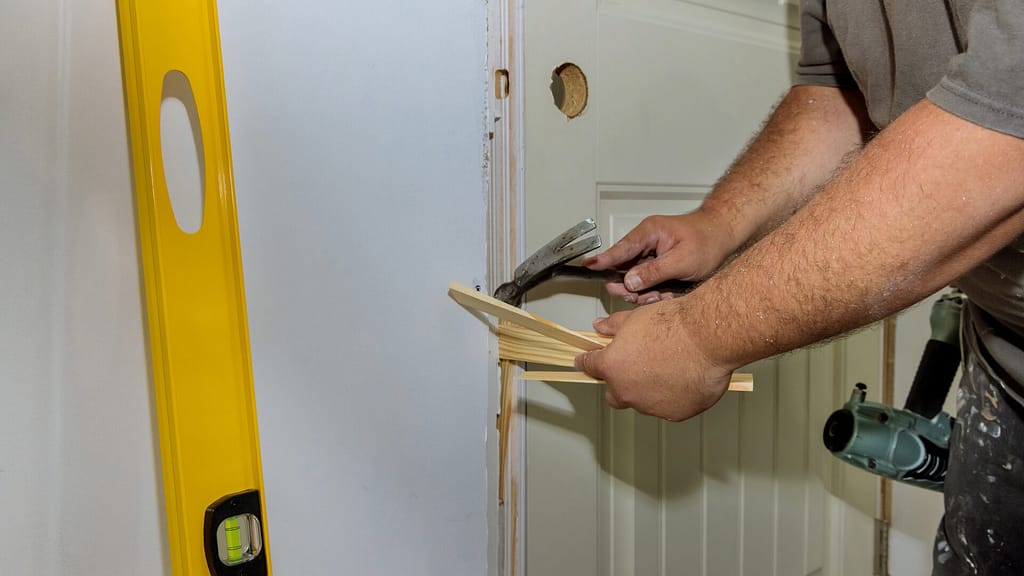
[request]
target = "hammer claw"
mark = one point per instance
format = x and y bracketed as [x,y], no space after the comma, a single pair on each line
[542,264]
[560,250]
[550,262]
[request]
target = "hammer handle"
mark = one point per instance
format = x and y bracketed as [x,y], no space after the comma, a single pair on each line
[568,271]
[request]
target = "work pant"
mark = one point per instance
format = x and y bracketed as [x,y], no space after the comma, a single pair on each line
[982,531]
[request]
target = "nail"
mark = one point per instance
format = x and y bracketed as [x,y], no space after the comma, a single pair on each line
[632,281]
[631,298]
[651,299]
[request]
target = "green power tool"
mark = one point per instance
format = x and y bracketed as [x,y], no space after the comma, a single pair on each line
[910,444]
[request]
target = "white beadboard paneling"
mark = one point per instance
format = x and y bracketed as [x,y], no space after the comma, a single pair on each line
[821,372]
[723,483]
[791,464]
[647,499]
[683,505]
[758,422]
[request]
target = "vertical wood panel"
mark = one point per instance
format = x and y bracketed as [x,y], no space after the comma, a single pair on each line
[858,489]
[791,466]
[562,437]
[821,372]
[647,517]
[683,496]
[620,466]
[722,486]
[757,465]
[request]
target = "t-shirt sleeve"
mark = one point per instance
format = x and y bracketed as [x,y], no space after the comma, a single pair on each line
[821,60]
[984,84]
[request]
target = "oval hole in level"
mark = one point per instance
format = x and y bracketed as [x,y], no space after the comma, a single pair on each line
[181,144]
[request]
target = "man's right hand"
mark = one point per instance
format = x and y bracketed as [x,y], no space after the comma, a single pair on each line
[686,247]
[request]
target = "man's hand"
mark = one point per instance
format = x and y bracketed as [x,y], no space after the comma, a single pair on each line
[660,248]
[653,366]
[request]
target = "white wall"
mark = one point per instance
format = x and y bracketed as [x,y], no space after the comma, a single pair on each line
[111,499]
[358,139]
[29,283]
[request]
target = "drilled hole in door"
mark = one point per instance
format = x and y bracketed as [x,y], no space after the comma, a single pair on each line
[181,144]
[569,89]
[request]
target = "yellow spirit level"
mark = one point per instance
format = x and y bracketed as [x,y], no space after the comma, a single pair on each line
[195,301]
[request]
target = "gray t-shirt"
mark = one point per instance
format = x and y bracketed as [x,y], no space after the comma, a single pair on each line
[965,56]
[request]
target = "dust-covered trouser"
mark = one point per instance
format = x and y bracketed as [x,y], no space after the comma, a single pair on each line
[983,528]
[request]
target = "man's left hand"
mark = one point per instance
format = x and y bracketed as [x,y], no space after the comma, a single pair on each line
[653,365]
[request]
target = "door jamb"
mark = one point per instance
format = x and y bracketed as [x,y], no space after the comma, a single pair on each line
[504,249]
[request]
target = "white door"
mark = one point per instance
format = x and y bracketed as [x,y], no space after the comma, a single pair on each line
[675,89]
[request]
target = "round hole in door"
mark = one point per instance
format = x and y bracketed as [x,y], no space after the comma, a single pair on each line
[569,89]
[181,145]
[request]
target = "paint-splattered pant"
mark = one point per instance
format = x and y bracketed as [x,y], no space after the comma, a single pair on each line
[982,531]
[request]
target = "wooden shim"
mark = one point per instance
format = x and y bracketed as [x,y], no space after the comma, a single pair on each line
[504,424]
[559,376]
[521,344]
[524,345]
[738,383]
[472,299]
[509,330]
[742,382]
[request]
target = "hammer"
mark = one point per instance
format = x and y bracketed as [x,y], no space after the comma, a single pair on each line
[549,262]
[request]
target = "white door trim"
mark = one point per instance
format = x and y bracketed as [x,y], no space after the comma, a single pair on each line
[504,252]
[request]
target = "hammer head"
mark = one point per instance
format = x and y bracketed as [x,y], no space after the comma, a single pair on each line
[542,264]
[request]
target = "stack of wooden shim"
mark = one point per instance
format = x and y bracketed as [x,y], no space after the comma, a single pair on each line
[524,337]
[525,345]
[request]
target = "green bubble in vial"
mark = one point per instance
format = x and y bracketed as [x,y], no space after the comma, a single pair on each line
[233,539]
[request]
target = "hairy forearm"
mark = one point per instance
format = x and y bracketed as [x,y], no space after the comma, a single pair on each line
[800,146]
[930,198]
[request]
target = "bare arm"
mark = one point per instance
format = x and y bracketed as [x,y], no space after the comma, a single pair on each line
[797,150]
[929,199]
